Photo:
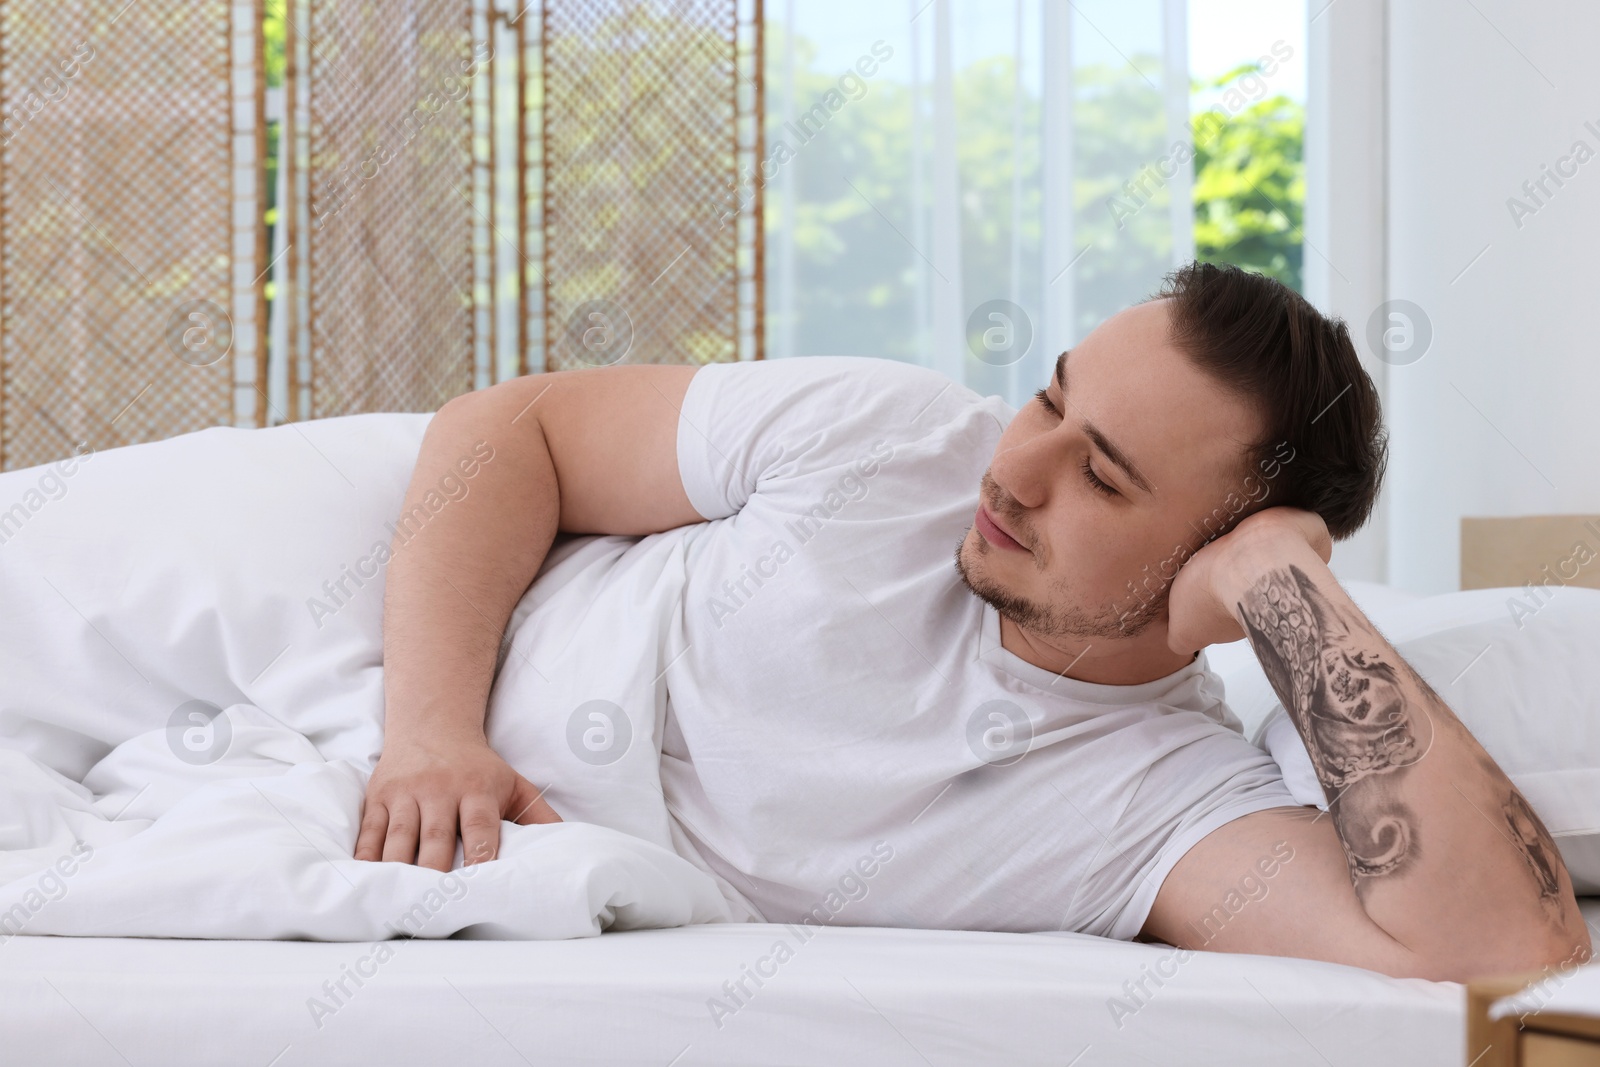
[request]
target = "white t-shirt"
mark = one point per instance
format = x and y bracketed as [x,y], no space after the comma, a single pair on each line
[846,739]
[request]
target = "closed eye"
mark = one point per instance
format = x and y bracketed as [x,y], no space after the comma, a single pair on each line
[1094,480]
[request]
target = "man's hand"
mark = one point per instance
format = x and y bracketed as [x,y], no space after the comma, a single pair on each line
[421,799]
[1200,608]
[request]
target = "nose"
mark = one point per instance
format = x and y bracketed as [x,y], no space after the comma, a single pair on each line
[1025,470]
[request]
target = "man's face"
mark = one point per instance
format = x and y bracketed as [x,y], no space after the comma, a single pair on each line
[1168,446]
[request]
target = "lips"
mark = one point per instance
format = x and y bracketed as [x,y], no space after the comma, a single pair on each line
[994,533]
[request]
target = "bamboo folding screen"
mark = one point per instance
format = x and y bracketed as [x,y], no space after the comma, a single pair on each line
[387,232]
[465,193]
[647,118]
[130,247]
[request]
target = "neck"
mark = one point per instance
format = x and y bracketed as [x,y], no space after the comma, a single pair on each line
[1105,661]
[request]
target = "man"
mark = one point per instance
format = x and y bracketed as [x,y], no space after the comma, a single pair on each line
[1048,753]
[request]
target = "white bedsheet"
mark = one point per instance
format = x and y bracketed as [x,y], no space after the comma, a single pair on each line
[848,996]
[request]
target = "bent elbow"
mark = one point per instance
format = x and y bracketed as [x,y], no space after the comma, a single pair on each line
[1538,954]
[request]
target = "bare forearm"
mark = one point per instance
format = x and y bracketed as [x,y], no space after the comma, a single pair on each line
[1444,853]
[499,472]
[460,563]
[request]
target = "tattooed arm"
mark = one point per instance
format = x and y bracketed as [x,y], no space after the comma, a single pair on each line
[1447,871]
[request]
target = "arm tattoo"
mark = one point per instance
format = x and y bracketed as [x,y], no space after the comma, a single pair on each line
[1347,703]
[1364,727]
[1525,830]
[1533,841]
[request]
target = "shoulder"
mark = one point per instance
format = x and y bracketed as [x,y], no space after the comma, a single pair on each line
[862,385]
[765,424]
[844,395]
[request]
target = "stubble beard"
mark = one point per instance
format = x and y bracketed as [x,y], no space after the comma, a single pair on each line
[1060,621]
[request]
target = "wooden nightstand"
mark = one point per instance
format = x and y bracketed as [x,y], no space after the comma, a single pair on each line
[1543,1039]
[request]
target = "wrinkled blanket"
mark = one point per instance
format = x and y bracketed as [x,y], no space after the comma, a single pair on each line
[191,700]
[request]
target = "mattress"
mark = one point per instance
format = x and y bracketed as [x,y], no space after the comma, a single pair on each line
[719,994]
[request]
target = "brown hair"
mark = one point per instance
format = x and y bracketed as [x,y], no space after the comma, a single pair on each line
[1262,340]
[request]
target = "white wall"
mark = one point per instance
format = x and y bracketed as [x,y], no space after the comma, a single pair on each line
[1499,417]
[1346,178]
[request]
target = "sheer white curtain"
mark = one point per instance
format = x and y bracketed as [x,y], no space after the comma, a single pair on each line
[971,185]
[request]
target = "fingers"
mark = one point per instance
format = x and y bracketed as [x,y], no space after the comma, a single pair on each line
[412,817]
[436,843]
[427,835]
[480,830]
[1316,531]
[527,805]
[400,841]
[374,826]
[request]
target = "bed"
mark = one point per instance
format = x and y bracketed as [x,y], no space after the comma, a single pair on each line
[313,986]
[850,995]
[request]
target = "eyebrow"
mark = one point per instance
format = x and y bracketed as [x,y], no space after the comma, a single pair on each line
[1117,457]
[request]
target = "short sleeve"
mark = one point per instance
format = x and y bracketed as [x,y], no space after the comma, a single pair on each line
[747,427]
[1244,780]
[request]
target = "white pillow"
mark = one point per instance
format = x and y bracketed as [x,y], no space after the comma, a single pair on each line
[1526,683]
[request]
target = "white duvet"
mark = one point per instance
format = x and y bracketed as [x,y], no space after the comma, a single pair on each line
[143,589]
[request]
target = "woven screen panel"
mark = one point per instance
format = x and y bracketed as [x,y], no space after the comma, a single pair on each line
[640,147]
[116,231]
[390,230]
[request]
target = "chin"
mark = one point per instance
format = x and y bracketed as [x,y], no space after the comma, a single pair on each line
[1063,621]
[972,560]
[971,551]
